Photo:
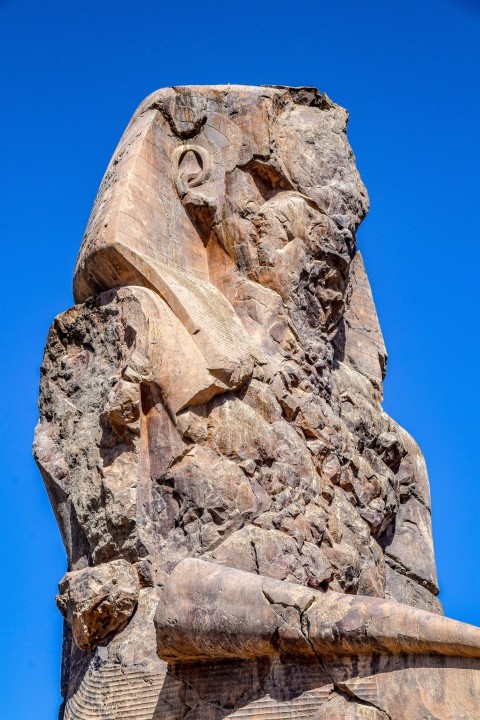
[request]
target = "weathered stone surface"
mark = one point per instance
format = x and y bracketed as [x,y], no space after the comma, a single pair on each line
[98,601]
[214,395]
[207,611]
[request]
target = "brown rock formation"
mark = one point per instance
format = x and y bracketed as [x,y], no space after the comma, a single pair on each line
[98,601]
[214,400]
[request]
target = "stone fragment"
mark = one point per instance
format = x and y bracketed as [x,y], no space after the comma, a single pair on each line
[98,601]
[359,341]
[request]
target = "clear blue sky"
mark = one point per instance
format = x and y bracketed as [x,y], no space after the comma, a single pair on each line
[73,72]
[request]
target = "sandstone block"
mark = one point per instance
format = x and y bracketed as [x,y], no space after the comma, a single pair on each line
[98,601]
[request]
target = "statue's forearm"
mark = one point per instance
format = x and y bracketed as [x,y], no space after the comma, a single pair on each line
[210,611]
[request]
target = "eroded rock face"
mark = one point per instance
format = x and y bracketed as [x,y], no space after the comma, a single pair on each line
[98,601]
[215,392]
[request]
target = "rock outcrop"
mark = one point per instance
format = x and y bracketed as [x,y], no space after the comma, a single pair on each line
[98,601]
[213,401]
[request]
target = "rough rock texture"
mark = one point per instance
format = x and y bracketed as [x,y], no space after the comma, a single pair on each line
[215,393]
[98,601]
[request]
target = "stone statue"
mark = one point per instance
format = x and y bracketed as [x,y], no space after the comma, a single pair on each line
[248,533]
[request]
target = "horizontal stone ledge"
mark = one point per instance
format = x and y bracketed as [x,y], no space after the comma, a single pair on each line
[208,611]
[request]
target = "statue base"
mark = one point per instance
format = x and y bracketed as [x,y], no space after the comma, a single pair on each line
[356,688]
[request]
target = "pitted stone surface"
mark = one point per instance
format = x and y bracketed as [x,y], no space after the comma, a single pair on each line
[98,601]
[216,391]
